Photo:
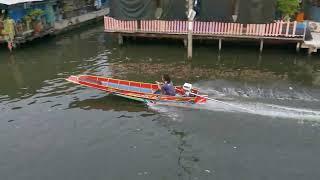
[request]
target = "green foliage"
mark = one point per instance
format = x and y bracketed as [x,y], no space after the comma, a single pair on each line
[27,18]
[36,13]
[288,7]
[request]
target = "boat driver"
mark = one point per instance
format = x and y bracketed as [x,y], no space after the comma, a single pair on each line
[166,87]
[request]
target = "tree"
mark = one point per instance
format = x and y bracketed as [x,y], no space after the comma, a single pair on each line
[288,8]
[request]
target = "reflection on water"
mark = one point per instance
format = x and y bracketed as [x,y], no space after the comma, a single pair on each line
[16,73]
[109,103]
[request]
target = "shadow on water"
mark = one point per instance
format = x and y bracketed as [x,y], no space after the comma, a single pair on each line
[108,103]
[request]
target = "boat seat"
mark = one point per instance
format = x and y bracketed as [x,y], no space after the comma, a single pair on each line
[128,88]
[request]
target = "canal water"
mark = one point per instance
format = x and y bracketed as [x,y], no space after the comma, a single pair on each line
[266,124]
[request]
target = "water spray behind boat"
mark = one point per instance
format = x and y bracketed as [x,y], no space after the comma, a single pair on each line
[241,105]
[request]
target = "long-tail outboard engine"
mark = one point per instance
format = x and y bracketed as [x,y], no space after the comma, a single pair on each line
[187,87]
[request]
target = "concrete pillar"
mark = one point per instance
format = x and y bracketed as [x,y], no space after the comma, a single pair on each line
[190,29]
[220,44]
[310,50]
[190,45]
[298,47]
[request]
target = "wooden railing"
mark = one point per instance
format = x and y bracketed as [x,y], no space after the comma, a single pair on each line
[276,29]
[177,27]
[113,25]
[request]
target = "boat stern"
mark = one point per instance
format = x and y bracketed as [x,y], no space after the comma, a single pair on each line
[201,99]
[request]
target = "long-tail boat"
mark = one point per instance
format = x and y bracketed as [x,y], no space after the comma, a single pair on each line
[139,91]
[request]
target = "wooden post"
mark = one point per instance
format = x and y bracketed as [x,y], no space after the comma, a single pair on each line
[287,30]
[190,29]
[261,45]
[120,39]
[220,44]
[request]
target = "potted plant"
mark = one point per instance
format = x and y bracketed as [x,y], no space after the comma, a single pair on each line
[35,15]
[288,8]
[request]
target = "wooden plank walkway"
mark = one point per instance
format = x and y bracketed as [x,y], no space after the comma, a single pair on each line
[276,31]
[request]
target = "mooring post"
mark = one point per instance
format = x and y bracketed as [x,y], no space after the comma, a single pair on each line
[261,45]
[120,39]
[298,47]
[220,44]
[190,28]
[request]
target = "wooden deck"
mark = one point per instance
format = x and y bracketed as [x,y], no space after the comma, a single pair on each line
[23,39]
[276,31]
[313,42]
[201,36]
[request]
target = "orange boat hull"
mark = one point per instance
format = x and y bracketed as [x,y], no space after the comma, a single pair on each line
[134,90]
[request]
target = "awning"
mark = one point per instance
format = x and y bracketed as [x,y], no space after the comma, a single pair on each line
[12,2]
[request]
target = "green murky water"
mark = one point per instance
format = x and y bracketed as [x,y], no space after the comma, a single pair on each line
[51,129]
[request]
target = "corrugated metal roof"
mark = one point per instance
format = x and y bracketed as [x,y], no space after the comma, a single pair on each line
[11,2]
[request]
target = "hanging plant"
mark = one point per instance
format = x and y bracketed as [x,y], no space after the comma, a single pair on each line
[288,8]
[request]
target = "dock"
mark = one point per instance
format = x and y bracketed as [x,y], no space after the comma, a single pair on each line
[312,43]
[23,35]
[73,22]
[277,31]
